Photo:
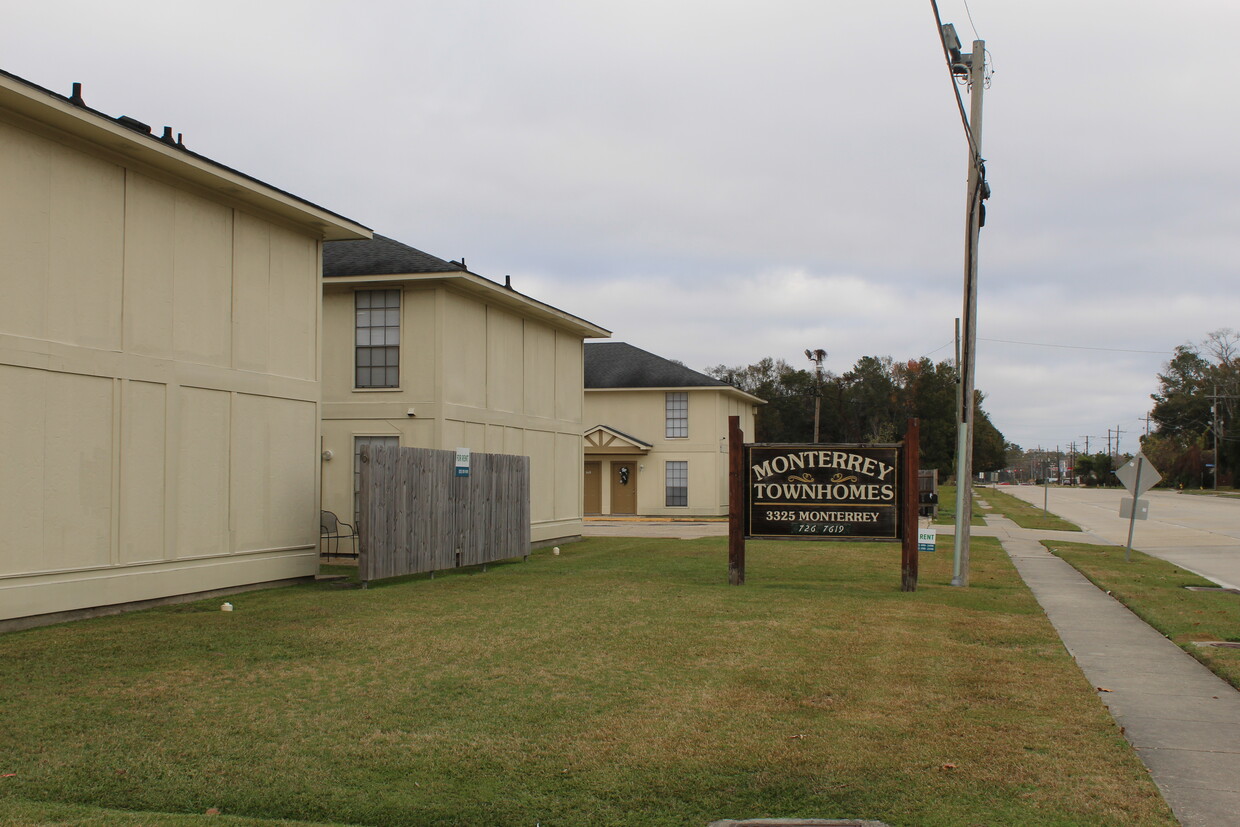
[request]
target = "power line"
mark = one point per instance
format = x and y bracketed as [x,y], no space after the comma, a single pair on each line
[969,14]
[1076,347]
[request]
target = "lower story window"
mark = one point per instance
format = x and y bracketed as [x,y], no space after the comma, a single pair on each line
[358,442]
[677,483]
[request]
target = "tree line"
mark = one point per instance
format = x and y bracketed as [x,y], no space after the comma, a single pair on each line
[869,403]
[1195,408]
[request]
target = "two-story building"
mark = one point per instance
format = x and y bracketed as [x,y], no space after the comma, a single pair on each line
[656,434]
[159,359]
[421,352]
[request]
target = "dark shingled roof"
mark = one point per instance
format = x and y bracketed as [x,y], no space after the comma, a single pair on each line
[380,256]
[620,365]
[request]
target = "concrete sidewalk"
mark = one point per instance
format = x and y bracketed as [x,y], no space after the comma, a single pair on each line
[1183,721]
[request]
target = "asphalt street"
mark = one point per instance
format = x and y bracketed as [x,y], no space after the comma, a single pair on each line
[1198,533]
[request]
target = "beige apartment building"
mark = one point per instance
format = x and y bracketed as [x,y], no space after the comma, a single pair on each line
[420,352]
[656,434]
[159,355]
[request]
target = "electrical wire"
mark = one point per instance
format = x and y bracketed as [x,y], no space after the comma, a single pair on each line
[1076,347]
[969,13]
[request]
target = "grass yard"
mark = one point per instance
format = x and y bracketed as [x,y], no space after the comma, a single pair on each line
[620,683]
[1154,590]
[1022,513]
[947,507]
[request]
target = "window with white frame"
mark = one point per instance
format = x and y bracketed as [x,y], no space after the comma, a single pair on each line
[677,407]
[358,442]
[377,346]
[676,483]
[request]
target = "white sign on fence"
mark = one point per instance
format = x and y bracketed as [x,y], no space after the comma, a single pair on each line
[462,462]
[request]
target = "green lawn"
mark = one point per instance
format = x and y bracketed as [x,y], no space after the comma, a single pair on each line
[1154,590]
[1021,512]
[620,683]
[947,507]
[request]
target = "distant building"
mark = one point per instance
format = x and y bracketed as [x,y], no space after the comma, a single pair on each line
[656,434]
[159,355]
[421,352]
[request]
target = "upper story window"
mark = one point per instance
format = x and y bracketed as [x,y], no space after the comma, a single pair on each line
[377,357]
[677,415]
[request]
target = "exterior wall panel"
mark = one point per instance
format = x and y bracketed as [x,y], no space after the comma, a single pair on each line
[143,471]
[202,437]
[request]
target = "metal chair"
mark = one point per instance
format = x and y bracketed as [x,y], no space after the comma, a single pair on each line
[331,533]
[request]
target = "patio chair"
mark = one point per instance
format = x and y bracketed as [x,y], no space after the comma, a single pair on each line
[331,532]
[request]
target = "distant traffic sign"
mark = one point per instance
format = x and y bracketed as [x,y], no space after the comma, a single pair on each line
[1137,475]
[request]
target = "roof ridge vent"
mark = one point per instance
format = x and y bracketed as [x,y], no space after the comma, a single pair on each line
[134,124]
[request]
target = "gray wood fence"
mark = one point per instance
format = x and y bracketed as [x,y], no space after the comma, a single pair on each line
[418,516]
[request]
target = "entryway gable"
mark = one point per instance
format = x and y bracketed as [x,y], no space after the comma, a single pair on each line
[603,439]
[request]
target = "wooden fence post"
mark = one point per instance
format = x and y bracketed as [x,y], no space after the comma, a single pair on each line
[736,502]
[910,467]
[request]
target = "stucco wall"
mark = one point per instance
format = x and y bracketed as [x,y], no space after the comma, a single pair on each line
[158,354]
[477,375]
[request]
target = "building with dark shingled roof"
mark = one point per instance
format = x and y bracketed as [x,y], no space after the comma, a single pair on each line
[656,434]
[421,352]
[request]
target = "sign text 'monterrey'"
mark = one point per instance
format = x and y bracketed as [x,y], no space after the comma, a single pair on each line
[839,460]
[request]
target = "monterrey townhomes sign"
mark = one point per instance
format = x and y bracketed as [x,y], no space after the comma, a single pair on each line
[823,492]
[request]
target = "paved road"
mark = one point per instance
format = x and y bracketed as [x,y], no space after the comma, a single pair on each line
[1201,534]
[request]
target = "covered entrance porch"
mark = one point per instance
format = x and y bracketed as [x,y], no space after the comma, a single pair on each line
[613,470]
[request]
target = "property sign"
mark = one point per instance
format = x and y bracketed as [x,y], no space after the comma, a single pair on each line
[822,491]
[462,462]
[926,539]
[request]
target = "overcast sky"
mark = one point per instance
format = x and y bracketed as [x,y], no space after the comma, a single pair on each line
[721,181]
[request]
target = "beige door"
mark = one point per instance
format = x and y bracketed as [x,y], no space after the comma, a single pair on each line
[594,488]
[624,488]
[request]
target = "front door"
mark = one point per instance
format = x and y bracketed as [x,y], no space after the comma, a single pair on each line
[624,488]
[594,488]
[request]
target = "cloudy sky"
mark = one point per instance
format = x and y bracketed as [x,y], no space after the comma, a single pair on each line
[719,182]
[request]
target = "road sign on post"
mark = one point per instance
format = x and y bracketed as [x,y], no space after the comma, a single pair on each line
[1138,476]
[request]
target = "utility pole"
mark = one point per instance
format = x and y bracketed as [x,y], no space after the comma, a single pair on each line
[1214,430]
[816,356]
[973,67]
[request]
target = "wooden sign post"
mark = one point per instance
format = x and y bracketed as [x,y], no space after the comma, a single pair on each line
[736,502]
[910,466]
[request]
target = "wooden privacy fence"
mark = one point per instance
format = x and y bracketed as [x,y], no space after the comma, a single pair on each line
[417,515]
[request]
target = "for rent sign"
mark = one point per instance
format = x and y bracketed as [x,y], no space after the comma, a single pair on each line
[822,491]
